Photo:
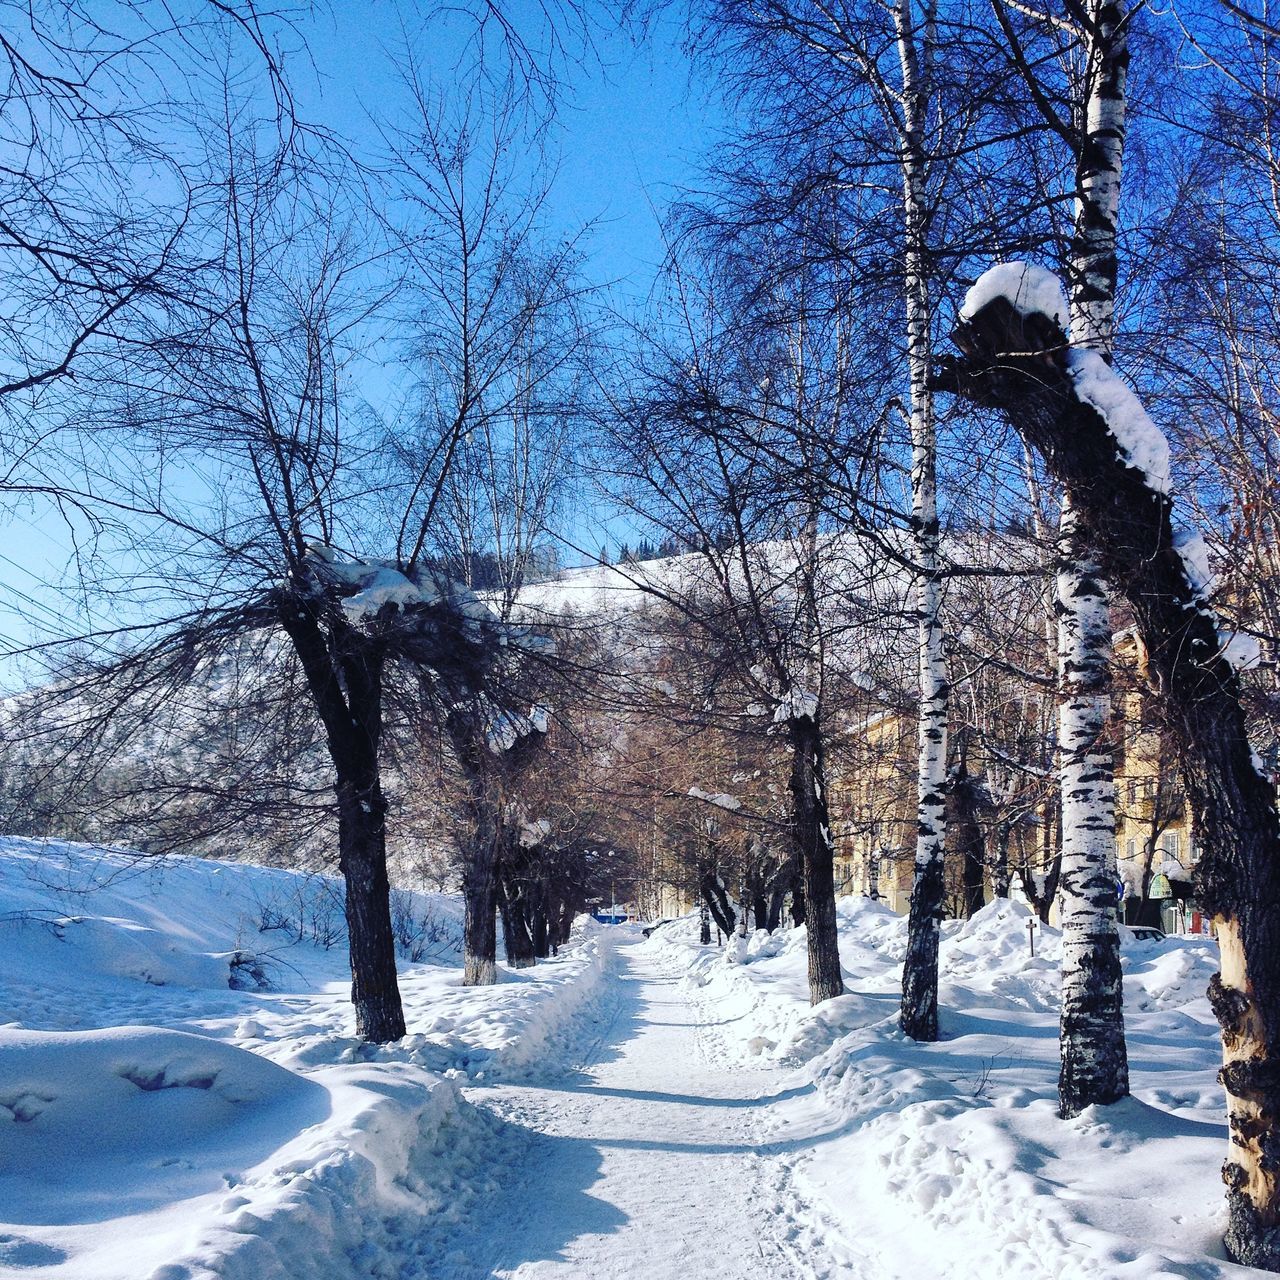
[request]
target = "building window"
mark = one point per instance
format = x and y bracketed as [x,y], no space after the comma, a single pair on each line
[1131,850]
[1171,843]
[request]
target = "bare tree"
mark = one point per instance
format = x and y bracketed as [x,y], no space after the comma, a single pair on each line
[1113,463]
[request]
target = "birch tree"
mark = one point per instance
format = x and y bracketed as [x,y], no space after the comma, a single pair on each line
[889,100]
[1114,464]
[1094,1066]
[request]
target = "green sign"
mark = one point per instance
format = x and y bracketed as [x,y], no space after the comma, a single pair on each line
[1160,887]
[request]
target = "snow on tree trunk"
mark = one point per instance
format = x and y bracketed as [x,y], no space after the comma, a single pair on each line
[920,967]
[1094,1064]
[1114,465]
[812,827]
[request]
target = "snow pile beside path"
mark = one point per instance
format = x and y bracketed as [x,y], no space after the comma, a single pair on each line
[954,1151]
[507,1031]
[211,1122]
[95,937]
[100,1123]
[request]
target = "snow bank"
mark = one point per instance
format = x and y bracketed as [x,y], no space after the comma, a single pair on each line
[954,1151]
[96,1124]
[243,1132]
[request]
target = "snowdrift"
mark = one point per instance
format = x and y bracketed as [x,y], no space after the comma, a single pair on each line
[949,1159]
[181,1094]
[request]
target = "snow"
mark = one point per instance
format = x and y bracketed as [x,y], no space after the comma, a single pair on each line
[796,704]
[1242,651]
[1142,444]
[721,799]
[632,1107]
[918,1153]
[156,1123]
[1029,289]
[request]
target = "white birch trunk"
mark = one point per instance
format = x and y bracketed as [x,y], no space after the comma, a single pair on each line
[920,967]
[1094,1064]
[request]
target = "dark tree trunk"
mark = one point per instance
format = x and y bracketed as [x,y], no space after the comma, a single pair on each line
[760,909]
[362,857]
[704,924]
[480,843]
[1021,365]
[776,900]
[919,1018]
[564,923]
[717,901]
[968,837]
[919,1015]
[479,921]
[1000,862]
[1041,899]
[797,895]
[517,939]
[812,828]
[344,673]
[541,933]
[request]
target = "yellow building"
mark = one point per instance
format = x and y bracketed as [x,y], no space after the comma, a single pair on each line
[873,803]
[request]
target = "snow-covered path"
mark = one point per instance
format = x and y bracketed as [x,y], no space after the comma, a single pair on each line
[646,1158]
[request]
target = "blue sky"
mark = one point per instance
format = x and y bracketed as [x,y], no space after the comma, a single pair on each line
[631,133]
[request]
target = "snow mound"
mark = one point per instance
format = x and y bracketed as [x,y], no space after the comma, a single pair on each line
[95,1124]
[93,937]
[165,1115]
[954,1150]
[1029,289]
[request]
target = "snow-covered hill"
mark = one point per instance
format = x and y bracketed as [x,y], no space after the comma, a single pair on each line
[181,1095]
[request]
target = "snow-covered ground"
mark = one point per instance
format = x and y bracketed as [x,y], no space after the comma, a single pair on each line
[181,1095]
[949,1159]
[181,1098]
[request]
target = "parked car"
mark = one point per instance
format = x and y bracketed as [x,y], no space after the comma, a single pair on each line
[1147,933]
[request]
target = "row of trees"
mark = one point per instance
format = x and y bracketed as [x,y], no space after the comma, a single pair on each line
[201,286]
[895,151]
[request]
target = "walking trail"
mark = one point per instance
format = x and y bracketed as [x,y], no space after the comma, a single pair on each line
[651,1157]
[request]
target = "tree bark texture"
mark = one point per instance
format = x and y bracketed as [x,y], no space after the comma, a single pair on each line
[517,937]
[1094,1065]
[481,842]
[1000,861]
[968,837]
[920,968]
[1093,1059]
[717,900]
[479,919]
[812,831]
[1020,364]
[344,673]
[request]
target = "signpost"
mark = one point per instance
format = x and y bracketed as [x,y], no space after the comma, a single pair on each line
[1031,936]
